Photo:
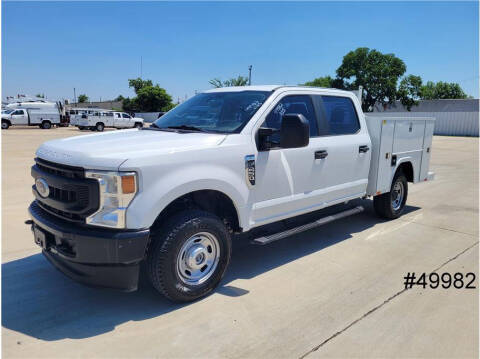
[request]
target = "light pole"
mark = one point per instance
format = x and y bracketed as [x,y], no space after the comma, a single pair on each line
[249,75]
[74,97]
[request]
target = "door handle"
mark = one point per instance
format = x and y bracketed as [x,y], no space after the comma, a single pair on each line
[363,149]
[320,154]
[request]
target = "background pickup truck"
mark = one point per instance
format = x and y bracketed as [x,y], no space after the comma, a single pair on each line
[171,197]
[44,118]
[98,120]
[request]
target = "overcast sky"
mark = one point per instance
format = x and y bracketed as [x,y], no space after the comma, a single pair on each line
[96,47]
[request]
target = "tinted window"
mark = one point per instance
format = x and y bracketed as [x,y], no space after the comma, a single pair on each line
[117,115]
[125,115]
[337,115]
[301,104]
[109,114]
[18,112]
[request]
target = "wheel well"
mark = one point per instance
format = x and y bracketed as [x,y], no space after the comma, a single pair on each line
[138,123]
[99,123]
[7,121]
[207,200]
[407,169]
[43,121]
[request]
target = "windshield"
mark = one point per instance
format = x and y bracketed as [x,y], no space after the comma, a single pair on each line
[6,112]
[224,112]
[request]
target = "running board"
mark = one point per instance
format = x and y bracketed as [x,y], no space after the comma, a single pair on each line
[319,222]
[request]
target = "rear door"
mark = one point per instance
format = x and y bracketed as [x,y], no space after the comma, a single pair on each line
[344,140]
[117,120]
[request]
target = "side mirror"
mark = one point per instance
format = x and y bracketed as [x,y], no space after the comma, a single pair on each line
[295,131]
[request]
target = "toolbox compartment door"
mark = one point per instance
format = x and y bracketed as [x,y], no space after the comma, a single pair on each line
[427,149]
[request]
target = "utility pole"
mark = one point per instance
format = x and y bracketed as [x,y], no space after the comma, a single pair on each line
[249,75]
[74,97]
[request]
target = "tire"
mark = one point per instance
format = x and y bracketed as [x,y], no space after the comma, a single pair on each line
[178,275]
[81,128]
[46,125]
[5,125]
[389,205]
[99,127]
[138,125]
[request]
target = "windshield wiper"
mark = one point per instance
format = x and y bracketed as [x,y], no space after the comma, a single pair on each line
[187,128]
[154,127]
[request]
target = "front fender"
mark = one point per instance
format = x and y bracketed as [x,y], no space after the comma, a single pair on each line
[158,193]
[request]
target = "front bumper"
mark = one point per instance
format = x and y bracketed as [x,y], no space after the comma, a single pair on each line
[92,256]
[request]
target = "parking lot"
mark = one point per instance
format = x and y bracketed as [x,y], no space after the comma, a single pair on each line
[335,291]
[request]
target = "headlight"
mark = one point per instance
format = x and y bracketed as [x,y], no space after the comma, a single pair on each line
[117,190]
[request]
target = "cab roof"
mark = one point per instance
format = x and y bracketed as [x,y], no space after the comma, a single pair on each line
[270,88]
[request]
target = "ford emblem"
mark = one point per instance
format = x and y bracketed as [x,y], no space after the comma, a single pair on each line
[42,187]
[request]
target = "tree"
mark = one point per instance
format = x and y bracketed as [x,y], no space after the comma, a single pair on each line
[152,99]
[119,98]
[149,98]
[442,90]
[378,74]
[409,91]
[138,83]
[82,98]
[38,95]
[325,81]
[239,81]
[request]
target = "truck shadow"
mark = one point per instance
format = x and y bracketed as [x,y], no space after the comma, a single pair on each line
[40,302]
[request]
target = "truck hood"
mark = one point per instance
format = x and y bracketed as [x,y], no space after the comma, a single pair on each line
[107,151]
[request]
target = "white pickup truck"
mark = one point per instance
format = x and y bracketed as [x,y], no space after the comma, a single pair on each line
[98,120]
[43,117]
[242,159]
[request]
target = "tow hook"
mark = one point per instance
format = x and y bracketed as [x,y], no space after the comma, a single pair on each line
[29,222]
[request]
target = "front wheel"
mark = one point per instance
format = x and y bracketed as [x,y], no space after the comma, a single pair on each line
[391,205]
[138,125]
[5,125]
[188,258]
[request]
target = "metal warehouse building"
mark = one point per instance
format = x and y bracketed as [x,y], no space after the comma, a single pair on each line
[453,117]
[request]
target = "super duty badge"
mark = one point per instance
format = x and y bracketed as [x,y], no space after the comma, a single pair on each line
[250,169]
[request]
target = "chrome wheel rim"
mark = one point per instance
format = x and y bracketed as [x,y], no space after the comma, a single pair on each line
[397,195]
[198,258]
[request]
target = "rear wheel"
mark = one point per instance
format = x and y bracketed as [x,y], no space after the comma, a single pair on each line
[99,127]
[46,125]
[391,205]
[189,256]
[5,125]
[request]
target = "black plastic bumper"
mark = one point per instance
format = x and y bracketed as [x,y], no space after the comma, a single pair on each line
[92,256]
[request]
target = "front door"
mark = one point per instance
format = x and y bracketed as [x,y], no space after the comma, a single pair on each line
[19,117]
[284,176]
